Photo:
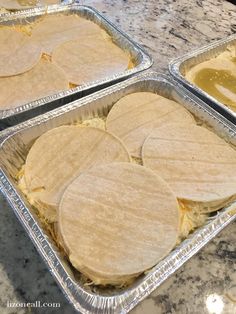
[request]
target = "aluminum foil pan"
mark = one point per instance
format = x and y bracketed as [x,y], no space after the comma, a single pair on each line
[178,67]
[15,142]
[140,59]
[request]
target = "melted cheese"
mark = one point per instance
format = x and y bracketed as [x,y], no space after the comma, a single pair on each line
[190,220]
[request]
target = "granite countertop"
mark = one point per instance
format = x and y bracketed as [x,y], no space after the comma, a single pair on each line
[206,283]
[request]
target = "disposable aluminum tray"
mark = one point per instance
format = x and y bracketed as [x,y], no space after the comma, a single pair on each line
[178,67]
[16,142]
[140,59]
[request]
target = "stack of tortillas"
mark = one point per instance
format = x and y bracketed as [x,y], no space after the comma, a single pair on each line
[199,190]
[60,155]
[52,54]
[81,179]
[116,221]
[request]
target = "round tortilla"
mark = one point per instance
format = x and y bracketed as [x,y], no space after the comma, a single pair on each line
[134,116]
[18,52]
[85,61]
[25,4]
[54,30]
[60,155]
[199,166]
[117,220]
[42,80]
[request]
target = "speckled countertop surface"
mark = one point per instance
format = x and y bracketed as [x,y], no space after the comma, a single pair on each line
[205,284]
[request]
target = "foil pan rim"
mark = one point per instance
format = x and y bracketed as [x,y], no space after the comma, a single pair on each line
[113,88]
[145,63]
[176,63]
[159,273]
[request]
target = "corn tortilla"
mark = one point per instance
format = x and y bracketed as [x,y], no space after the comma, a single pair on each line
[18,53]
[60,155]
[42,80]
[134,116]
[84,61]
[117,220]
[199,166]
[54,30]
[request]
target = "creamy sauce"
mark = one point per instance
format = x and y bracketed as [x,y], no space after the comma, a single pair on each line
[27,2]
[210,80]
